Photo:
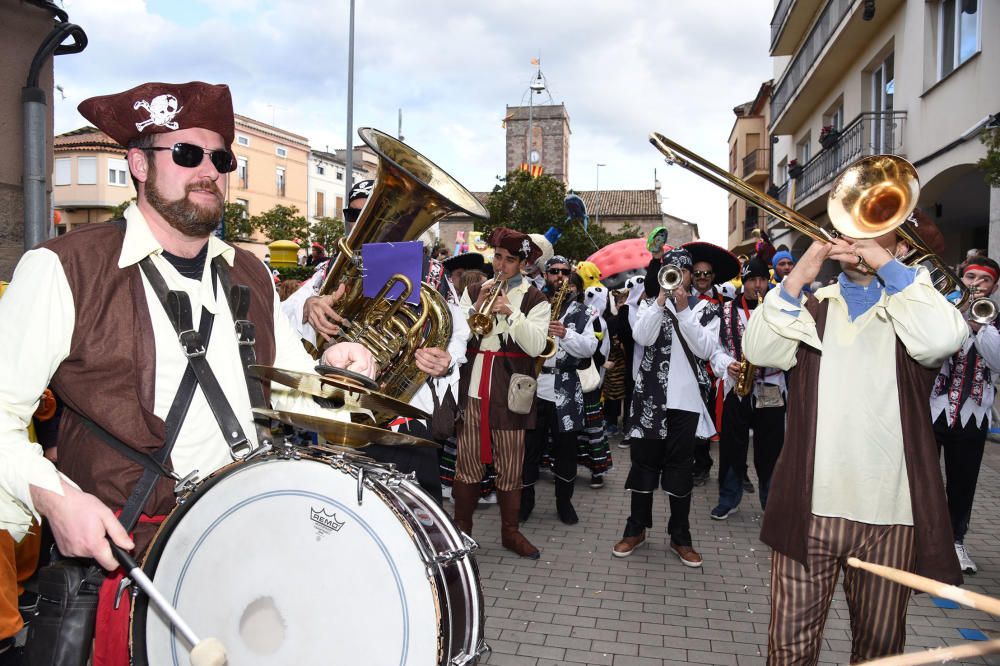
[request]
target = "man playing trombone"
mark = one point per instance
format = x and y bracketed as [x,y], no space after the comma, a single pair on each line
[858,475]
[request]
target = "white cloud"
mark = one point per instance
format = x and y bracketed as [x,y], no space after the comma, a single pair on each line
[623,69]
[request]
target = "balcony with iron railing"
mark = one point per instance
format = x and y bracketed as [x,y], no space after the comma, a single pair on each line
[808,54]
[870,133]
[756,165]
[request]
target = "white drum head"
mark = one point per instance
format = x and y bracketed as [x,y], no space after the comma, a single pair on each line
[277,560]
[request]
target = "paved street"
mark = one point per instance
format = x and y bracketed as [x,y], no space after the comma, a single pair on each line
[580,605]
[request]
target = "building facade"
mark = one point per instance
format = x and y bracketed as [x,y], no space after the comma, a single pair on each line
[272,168]
[916,78]
[89,178]
[327,182]
[549,142]
[750,161]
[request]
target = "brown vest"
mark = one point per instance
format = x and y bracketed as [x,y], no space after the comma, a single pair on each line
[110,373]
[502,418]
[786,521]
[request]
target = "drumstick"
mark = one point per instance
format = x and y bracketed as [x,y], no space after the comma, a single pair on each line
[208,652]
[931,586]
[938,655]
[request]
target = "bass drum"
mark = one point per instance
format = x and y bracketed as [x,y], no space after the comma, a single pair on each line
[298,558]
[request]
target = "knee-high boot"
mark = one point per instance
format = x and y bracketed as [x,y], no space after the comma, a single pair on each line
[511,537]
[564,505]
[466,496]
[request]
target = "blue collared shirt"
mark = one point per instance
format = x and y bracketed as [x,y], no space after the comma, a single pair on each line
[894,277]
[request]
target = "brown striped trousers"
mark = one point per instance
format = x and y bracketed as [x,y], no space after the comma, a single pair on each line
[508,452]
[800,599]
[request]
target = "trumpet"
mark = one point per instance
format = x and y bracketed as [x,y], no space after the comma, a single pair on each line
[481,321]
[982,310]
[670,277]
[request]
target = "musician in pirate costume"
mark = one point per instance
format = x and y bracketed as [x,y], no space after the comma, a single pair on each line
[560,413]
[712,265]
[489,433]
[668,411]
[595,454]
[763,410]
[859,473]
[962,405]
[116,317]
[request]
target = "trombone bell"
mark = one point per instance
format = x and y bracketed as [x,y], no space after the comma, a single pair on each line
[873,196]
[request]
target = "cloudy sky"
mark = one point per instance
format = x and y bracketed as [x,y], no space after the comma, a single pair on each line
[622,68]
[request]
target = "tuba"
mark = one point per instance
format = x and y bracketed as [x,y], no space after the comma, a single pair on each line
[871,197]
[410,195]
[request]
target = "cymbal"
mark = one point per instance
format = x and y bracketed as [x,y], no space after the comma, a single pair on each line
[344,433]
[384,407]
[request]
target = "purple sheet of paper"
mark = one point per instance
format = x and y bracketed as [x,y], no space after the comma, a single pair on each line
[383,260]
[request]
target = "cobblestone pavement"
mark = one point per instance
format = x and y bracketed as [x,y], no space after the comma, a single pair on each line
[580,605]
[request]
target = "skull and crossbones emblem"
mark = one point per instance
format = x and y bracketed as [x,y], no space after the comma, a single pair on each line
[526,247]
[161,112]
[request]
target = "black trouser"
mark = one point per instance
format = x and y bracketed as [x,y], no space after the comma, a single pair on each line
[664,463]
[564,447]
[612,411]
[420,459]
[963,455]
[739,415]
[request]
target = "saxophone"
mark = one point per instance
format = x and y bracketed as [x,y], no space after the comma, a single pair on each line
[550,342]
[744,382]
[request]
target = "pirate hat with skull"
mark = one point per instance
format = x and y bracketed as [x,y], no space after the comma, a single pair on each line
[153,108]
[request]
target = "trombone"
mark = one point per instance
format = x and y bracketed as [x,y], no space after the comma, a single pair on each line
[871,197]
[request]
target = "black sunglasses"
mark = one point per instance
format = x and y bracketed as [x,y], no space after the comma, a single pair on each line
[352,214]
[559,271]
[189,156]
[703,273]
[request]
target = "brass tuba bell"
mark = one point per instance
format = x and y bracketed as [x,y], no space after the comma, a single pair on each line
[410,194]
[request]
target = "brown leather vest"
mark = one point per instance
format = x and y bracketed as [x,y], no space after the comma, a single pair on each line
[502,418]
[785,527]
[110,373]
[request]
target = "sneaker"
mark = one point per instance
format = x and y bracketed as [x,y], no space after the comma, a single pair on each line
[611,429]
[627,545]
[688,556]
[624,444]
[721,513]
[597,481]
[748,486]
[700,478]
[964,561]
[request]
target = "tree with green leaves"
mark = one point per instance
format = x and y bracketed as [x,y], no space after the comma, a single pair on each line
[532,205]
[990,165]
[282,223]
[238,225]
[119,210]
[327,231]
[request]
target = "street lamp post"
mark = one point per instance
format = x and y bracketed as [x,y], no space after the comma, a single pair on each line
[597,200]
[349,155]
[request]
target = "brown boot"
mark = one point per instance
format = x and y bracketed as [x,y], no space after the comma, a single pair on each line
[510,536]
[466,496]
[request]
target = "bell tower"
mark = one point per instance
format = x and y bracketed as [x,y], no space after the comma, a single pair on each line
[538,134]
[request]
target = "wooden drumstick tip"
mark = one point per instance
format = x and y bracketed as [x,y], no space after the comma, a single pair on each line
[209,652]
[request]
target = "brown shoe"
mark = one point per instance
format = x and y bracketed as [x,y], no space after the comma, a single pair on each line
[688,556]
[625,547]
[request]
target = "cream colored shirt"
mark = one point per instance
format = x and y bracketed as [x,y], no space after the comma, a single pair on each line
[860,467]
[528,331]
[37,318]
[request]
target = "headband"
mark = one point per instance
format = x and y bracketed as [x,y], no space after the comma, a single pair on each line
[980,267]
